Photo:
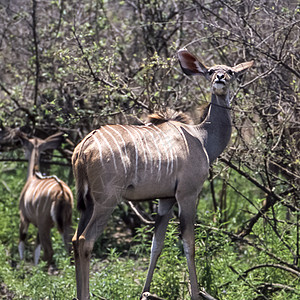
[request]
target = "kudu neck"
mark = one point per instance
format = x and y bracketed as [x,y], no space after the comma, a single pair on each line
[217,126]
[33,163]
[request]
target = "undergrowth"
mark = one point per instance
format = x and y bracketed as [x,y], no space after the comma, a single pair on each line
[222,263]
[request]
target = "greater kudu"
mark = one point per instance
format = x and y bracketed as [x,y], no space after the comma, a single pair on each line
[166,160]
[44,201]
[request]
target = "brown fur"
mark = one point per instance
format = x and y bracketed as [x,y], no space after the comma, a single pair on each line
[169,162]
[169,115]
[56,204]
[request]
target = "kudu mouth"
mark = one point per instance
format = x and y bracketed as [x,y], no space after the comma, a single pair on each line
[219,86]
[220,81]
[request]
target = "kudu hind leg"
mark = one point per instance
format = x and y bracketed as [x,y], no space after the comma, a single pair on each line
[161,223]
[83,243]
[37,250]
[22,236]
[45,241]
[85,217]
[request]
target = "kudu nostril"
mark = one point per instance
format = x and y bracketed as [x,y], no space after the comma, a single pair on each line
[220,76]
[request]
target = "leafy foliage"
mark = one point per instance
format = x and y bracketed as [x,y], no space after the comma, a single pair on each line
[76,65]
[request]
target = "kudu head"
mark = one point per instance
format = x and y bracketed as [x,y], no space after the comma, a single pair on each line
[35,146]
[220,76]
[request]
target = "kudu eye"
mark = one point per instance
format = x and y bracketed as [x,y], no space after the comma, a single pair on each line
[230,72]
[210,72]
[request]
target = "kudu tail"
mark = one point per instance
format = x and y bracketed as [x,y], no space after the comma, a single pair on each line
[63,215]
[85,202]
[80,174]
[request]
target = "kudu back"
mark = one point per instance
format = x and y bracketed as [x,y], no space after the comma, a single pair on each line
[166,159]
[45,201]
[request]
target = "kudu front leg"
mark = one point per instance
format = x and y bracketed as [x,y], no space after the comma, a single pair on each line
[187,220]
[161,223]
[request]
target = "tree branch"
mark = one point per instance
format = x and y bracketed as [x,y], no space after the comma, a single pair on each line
[135,210]
[36,51]
[105,82]
[251,179]
[278,266]
[237,238]
[246,281]
[27,111]
[275,286]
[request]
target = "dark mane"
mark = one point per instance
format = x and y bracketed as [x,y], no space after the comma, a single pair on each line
[169,115]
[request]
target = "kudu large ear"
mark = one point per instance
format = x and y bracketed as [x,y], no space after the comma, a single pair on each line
[27,144]
[52,141]
[242,68]
[190,65]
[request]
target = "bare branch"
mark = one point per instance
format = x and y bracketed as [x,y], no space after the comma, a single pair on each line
[135,210]
[27,111]
[278,266]
[36,51]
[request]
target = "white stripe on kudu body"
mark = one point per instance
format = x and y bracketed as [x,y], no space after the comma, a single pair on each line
[167,142]
[109,147]
[168,149]
[37,202]
[145,140]
[121,138]
[49,190]
[99,147]
[44,201]
[159,153]
[148,149]
[139,136]
[166,160]
[118,146]
[135,147]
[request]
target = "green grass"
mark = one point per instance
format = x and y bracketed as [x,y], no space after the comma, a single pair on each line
[120,274]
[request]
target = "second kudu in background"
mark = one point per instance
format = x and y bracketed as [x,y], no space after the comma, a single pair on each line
[44,201]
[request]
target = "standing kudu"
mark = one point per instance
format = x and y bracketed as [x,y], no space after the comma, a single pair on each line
[166,159]
[44,201]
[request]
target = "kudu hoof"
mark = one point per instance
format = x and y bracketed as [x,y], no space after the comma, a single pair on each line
[148,296]
[145,296]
